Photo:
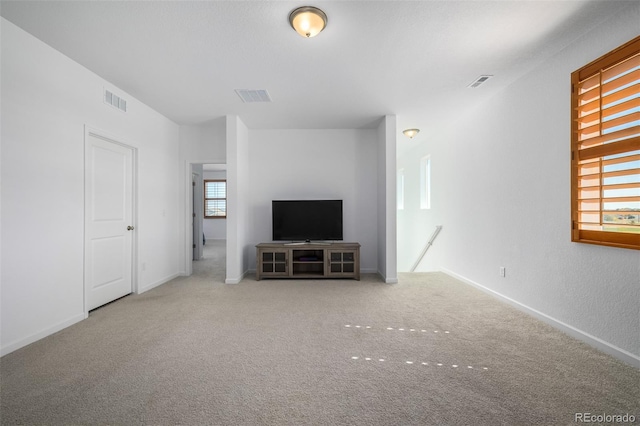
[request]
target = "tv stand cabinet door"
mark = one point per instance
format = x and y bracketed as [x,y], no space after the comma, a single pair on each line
[272,262]
[343,263]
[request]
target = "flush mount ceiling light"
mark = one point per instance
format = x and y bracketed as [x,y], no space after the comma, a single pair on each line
[308,21]
[410,133]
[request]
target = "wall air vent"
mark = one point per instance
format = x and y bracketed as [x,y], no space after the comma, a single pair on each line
[115,101]
[249,96]
[479,81]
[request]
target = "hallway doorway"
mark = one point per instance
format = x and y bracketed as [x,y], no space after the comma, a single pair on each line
[212,264]
[208,229]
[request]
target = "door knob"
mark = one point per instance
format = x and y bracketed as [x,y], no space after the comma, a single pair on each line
[129,228]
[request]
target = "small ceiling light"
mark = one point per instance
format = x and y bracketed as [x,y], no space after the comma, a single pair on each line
[410,133]
[308,21]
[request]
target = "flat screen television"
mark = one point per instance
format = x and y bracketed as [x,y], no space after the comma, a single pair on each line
[306,220]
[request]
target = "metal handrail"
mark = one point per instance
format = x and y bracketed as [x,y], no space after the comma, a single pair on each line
[429,244]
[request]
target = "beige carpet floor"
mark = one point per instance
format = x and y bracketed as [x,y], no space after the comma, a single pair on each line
[426,351]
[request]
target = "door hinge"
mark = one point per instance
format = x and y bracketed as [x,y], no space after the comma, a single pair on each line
[194,246]
[193,184]
[194,215]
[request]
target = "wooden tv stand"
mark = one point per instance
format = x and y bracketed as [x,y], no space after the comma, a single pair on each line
[308,260]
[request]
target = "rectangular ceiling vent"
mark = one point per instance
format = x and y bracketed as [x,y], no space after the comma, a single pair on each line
[115,101]
[479,81]
[249,96]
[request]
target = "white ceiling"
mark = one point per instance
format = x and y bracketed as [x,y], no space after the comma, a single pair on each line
[414,59]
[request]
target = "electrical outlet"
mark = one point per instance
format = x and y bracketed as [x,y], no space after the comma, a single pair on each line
[144,266]
[503,271]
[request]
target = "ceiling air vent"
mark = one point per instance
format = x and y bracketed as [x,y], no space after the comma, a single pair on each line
[114,100]
[249,96]
[479,81]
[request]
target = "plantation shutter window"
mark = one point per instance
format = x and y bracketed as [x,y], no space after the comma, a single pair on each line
[605,149]
[215,199]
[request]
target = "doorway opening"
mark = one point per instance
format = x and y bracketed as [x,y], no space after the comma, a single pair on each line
[208,225]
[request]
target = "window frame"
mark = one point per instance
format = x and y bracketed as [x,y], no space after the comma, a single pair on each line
[425,182]
[599,150]
[204,186]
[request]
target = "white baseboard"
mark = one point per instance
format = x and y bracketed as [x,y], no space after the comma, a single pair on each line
[387,280]
[64,324]
[42,334]
[596,342]
[158,283]
[237,280]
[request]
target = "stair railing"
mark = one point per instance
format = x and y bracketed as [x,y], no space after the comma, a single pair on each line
[429,244]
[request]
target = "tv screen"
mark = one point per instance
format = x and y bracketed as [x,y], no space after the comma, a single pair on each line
[306,220]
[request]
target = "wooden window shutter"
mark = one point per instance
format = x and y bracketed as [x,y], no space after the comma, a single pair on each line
[605,149]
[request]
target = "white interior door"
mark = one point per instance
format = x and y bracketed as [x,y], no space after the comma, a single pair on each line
[198,208]
[194,222]
[108,220]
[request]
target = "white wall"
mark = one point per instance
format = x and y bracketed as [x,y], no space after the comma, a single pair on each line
[47,99]
[415,226]
[238,185]
[316,164]
[205,142]
[387,201]
[501,180]
[215,229]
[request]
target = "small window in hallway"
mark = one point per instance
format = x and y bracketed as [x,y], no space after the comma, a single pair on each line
[425,182]
[215,199]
